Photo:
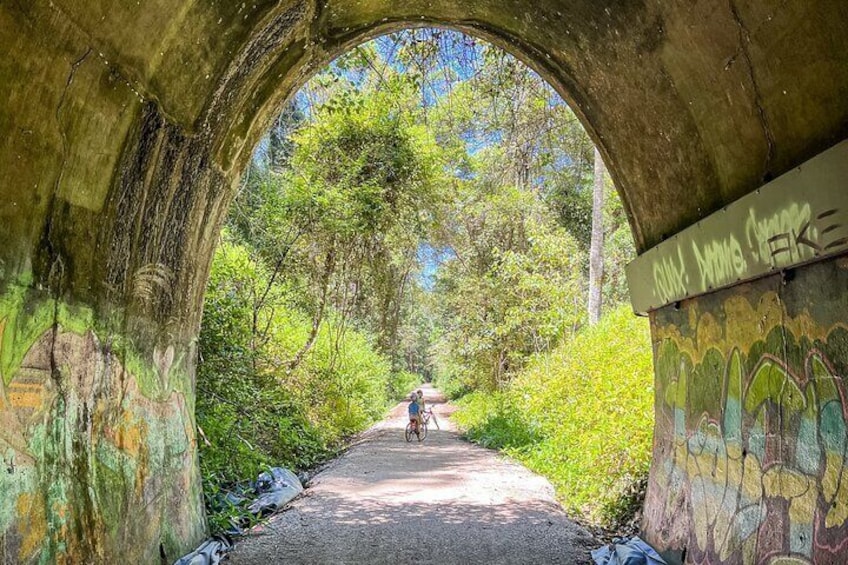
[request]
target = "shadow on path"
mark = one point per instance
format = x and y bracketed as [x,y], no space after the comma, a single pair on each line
[443,500]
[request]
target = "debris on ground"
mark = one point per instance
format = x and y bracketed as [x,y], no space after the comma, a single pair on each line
[276,488]
[210,552]
[271,491]
[628,551]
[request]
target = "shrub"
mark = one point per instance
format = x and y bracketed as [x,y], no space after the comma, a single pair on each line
[582,415]
[492,420]
[252,410]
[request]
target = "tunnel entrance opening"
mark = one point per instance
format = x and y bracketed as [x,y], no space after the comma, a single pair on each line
[422,209]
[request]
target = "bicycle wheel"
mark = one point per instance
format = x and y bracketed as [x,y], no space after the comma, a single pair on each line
[408,432]
[422,432]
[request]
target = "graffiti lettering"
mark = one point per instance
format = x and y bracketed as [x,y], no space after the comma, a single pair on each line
[670,278]
[796,219]
[697,264]
[752,433]
[811,235]
[771,234]
[719,261]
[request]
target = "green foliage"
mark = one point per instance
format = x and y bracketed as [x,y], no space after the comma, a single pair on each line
[582,415]
[401,383]
[513,288]
[493,420]
[253,412]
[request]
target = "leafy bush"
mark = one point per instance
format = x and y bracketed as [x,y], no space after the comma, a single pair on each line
[451,378]
[492,420]
[253,411]
[401,383]
[581,415]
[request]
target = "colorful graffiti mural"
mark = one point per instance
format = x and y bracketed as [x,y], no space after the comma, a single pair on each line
[751,452]
[94,456]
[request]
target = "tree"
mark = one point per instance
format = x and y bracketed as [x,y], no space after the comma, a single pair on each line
[511,287]
[596,250]
[364,174]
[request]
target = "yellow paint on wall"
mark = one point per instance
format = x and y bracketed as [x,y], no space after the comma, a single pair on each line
[803,508]
[838,513]
[25,395]
[830,477]
[32,524]
[130,435]
[749,550]
[741,316]
[752,488]
[709,331]
[2,381]
[781,481]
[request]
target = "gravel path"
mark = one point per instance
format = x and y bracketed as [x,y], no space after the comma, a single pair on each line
[441,501]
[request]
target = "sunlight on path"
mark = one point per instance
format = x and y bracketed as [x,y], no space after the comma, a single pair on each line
[443,500]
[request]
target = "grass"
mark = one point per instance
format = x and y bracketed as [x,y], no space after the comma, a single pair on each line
[581,415]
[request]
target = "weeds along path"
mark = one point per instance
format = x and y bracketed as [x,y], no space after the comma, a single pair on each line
[440,501]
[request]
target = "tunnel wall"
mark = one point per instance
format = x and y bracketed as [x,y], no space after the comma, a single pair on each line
[97,443]
[750,460]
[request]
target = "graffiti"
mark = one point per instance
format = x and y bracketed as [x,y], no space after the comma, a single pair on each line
[761,231]
[737,476]
[83,449]
[800,217]
[716,262]
[751,441]
[719,261]
[670,278]
[808,237]
[151,280]
[795,234]
[695,263]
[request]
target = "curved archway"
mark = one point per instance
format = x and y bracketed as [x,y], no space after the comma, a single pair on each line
[125,127]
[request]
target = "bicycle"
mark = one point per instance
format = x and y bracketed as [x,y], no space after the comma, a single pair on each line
[413,428]
[428,414]
[421,433]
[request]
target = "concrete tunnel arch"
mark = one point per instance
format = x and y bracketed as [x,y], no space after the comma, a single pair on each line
[125,128]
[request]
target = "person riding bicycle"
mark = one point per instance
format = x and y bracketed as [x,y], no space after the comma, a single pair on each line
[414,411]
[423,410]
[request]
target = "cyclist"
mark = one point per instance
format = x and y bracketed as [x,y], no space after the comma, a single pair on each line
[414,411]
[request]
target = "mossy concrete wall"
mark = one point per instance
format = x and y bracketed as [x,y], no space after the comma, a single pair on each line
[97,444]
[125,125]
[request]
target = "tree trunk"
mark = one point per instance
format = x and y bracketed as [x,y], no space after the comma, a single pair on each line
[329,268]
[596,249]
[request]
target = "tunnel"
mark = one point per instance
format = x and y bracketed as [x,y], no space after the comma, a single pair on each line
[125,129]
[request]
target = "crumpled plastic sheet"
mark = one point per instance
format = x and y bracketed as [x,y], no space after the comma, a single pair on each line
[273,489]
[276,488]
[210,552]
[631,551]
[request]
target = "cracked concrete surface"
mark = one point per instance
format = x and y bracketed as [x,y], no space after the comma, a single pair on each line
[744,41]
[440,501]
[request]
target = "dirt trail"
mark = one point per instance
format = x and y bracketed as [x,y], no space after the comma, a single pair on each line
[440,501]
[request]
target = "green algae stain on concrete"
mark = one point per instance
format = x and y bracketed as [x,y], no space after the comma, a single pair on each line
[88,446]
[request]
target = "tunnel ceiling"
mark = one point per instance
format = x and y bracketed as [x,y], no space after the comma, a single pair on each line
[693,104]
